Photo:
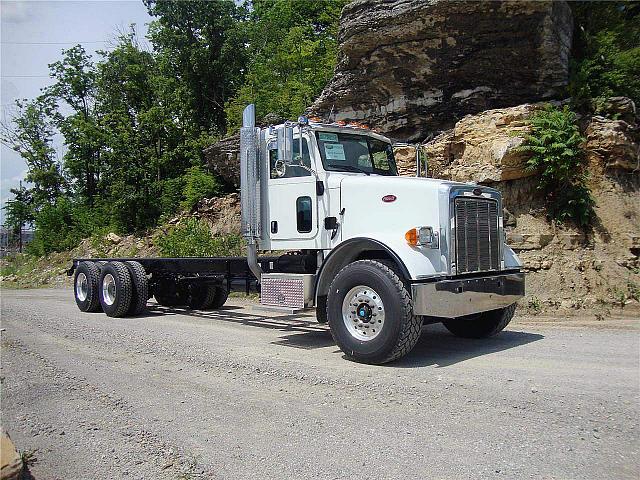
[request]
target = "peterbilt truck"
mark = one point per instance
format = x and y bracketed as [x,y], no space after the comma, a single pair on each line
[376,254]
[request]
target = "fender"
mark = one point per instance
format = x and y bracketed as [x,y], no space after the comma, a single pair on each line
[347,252]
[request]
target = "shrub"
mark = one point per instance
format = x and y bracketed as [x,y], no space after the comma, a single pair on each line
[198,185]
[193,238]
[554,144]
[60,227]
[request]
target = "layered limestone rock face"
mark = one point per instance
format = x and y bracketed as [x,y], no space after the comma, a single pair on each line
[613,143]
[412,67]
[480,148]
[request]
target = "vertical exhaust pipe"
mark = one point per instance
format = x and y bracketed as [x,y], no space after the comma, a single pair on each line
[250,187]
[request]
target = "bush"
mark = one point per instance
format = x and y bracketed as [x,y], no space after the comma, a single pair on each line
[193,238]
[198,184]
[60,227]
[554,144]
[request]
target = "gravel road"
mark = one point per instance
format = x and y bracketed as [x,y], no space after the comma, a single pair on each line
[240,394]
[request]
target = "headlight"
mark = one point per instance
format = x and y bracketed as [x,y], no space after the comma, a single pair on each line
[423,236]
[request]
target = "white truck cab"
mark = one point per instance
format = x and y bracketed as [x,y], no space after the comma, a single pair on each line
[391,252]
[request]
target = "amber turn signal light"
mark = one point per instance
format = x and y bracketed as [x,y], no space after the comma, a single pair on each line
[412,237]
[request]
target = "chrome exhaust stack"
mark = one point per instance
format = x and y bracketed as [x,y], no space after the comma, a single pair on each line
[250,187]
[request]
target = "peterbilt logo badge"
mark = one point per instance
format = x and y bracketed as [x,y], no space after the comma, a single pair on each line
[389,198]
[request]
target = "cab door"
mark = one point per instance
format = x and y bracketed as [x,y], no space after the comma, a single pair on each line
[293,204]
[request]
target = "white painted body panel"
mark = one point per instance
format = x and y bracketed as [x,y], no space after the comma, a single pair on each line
[419,202]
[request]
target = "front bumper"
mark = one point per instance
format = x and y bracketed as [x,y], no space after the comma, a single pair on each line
[456,298]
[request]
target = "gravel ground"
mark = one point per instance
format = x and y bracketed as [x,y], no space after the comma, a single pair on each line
[242,394]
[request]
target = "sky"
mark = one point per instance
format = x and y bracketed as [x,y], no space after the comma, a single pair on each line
[33,34]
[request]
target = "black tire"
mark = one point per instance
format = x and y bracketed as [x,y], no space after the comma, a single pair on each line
[200,296]
[321,309]
[140,283]
[86,289]
[167,293]
[115,300]
[483,325]
[220,297]
[401,328]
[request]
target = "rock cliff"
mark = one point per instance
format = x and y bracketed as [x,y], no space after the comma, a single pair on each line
[413,67]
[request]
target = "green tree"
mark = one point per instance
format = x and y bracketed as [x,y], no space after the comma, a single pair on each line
[75,86]
[292,45]
[30,133]
[200,43]
[606,51]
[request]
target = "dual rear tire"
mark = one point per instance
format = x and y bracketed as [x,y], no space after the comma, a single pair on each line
[196,295]
[117,288]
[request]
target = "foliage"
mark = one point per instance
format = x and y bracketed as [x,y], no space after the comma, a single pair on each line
[606,51]
[31,135]
[554,144]
[198,185]
[135,122]
[193,238]
[202,44]
[59,227]
[292,47]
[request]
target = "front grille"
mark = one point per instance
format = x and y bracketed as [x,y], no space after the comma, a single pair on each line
[476,234]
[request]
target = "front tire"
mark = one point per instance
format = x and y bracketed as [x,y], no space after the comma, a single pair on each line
[370,313]
[115,289]
[485,324]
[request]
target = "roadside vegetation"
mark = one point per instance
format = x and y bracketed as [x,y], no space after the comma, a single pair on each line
[135,120]
[554,145]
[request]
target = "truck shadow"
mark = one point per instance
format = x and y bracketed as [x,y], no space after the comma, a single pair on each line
[436,346]
[440,348]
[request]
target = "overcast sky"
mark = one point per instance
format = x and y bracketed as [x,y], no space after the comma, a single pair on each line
[33,34]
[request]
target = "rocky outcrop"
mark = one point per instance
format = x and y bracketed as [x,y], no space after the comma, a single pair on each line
[613,144]
[223,158]
[480,148]
[412,67]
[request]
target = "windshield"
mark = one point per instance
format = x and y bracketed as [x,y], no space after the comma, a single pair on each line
[347,152]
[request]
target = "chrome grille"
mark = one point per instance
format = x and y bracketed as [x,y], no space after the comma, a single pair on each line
[476,234]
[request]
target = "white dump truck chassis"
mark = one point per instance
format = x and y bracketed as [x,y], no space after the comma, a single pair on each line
[377,255]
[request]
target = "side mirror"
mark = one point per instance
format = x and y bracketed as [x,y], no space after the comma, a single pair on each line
[285,145]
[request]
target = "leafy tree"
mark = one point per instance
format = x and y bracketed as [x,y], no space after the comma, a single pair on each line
[19,212]
[293,47]
[201,43]
[75,85]
[606,51]
[555,147]
[31,135]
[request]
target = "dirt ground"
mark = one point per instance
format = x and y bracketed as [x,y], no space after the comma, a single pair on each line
[238,393]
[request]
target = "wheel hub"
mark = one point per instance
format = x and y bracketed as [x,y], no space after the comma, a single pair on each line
[82,287]
[363,313]
[109,289]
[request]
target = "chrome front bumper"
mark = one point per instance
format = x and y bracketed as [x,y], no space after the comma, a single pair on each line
[456,298]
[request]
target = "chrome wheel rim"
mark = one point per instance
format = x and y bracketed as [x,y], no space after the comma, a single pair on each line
[109,289]
[82,287]
[363,313]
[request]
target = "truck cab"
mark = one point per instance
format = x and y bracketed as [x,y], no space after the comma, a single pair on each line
[391,252]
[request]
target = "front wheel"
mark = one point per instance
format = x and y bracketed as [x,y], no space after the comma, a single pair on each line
[370,313]
[485,324]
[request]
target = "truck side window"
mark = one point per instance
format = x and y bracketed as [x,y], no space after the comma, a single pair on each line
[292,170]
[303,214]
